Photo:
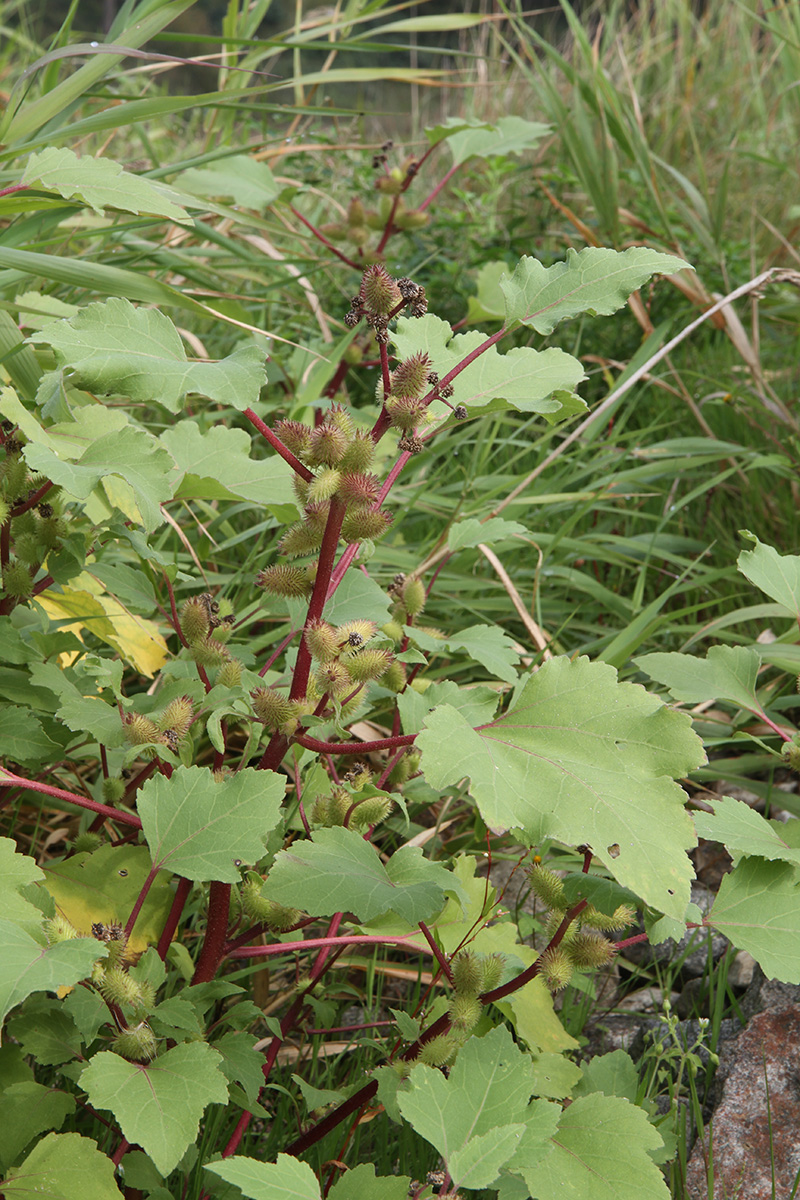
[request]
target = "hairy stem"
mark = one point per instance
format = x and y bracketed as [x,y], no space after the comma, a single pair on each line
[213,946]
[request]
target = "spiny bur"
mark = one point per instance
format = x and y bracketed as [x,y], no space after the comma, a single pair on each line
[548,887]
[136,1045]
[410,377]
[555,969]
[492,967]
[284,580]
[271,707]
[327,445]
[371,811]
[118,987]
[623,916]
[194,619]
[178,716]
[438,1050]
[589,950]
[230,673]
[367,664]
[300,539]
[113,790]
[59,929]
[324,485]
[17,580]
[465,969]
[363,524]
[323,641]
[295,436]
[140,730]
[359,454]
[413,595]
[465,1011]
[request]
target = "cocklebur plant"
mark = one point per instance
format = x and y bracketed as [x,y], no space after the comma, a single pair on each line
[250,802]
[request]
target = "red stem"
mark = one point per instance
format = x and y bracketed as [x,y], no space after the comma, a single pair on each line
[278,446]
[33,500]
[140,899]
[437,953]
[168,932]
[388,743]
[320,237]
[442,183]
[213,945]
[8,779]
[325,943]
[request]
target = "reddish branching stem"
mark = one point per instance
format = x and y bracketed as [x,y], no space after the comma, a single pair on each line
[9,779]
[278,446]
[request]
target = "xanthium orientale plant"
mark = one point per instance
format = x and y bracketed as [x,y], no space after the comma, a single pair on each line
[247,808]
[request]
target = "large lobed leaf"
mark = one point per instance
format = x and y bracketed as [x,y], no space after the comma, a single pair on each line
[64,1166]
[29,966]
[776,574]
[585,759]
[726,673]
[595,281]
[114,347]
[524,378]
[158,1106]
[201,828]
[758,908]
[338,871]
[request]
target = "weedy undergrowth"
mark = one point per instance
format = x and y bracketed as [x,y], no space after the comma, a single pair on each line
[249,805]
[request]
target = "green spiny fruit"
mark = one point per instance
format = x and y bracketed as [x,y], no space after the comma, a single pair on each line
[5,510]
[413,219]
[379,291]
[113,791]
[271,707]
[209,652]
[358,234]
[88,841]
[393,630]
[410,377]
[295,436]
[327,445]
[356,633]
[140,730]
[59,929]
[491,971]
[28,549]
[178,716]
[283,580]
[465,1011]
[438,1050]
[334,231]
[333,679]
[360,452]
[300,539]
[371,811]
[230,673]
[465,969]
[194,619]
[359,489]
[623,916]
[413,596]
[405,412]
[355,212]
[325,485]
[17,581]
[555,969]
[118,987]
[51,531]
[138,1044]
[548,887]
[367,664]
[15,476]
[395,678]
[323,641]
[362,524]
[589,950]
[300,487]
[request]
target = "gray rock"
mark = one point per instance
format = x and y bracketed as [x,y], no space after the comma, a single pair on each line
[692,950]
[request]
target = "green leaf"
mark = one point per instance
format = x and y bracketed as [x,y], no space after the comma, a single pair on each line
[744,831]
[613,1074]
[605,894]
[114,347]
[198,827]
[87,714]
[758,908]
[64,1166]
[595,281]
[554,1076]
[509,135]
[585,759]
[487,1091]
[29,966]
[286,1179]
[338,871]
[776,574]
[241,1063]
[217,466]
[100,183]
[472,532]
[476,704]
[486,644]
[524,378]
[103,887]
[600,1149]
[24,740]
[132,454]
[26,1111]
[158,1106]
[488,303]
[244,180]
[361,1183]
[726,673]
[47,1032]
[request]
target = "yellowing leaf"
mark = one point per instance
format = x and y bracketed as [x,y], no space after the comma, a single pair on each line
[135,639]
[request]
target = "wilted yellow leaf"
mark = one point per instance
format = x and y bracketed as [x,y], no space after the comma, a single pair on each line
[83,605]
